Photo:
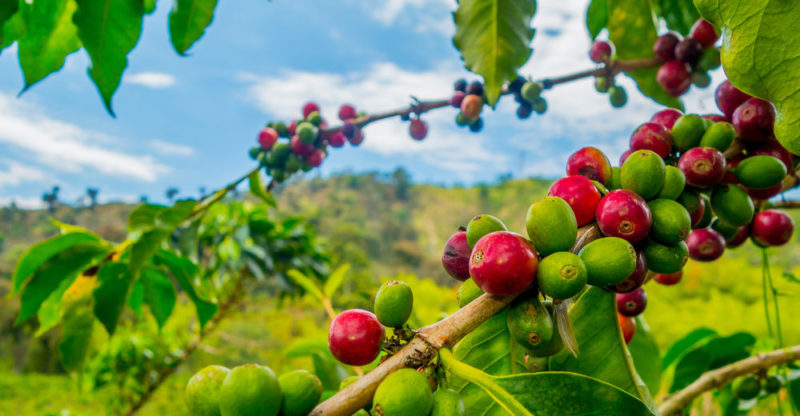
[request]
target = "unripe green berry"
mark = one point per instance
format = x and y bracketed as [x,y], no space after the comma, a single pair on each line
[306,132]
[467,292]
[393,303]
[531,91]
[314,118]
[300,391]
[403,393]
[202,391]
[601,84]
[617,96]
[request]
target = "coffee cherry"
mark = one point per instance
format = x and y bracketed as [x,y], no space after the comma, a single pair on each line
[471,106]
[202,390]
[255,153]
[701,79]
[674,77]
[315,158]
[732,205]
[708,213]
[772,384]
[739,238]
[633,303]
[551,225]
[716,118]
[467,292]
[476,126]
[747,388]
[608,260]
[623,157]
[546,349]
[709,60]
[773,148]
[337,139]
[475,88]
[530,323]
[357,138]
[418,129]
[349,130]
[687,131]
[516,85]
[719,136]
[480,225]
[671,221]
[664,47]
[760,172]
[601,84]
[704,32]
[307,132]
[403,393]
[624,214]
[460,85]
[591,163]
[282,130]
[703,166]
[503,263]
[267,138]
[540,106]
[581,195]
[663,258]
[300,391]
[628,327]
[688,50]
[524,110]
[355,337]
[455,258]
[531,91]
[393,303]
[652,136]
[674,183]
[250,390]
[447,402]
[617,96]
[666,117]
[347,112]
[562,275]
[601,51]
[772,228]
[462,120]
[754,120]
[705,244]
[636,279]
[314,118]
[309,108]
[643,173]
[299,147]
[457,99]
[668,279]
[728,98]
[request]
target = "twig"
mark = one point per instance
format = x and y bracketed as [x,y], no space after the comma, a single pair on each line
[787,204]
[720,377]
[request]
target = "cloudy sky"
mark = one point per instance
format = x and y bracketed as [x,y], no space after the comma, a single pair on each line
[188,121]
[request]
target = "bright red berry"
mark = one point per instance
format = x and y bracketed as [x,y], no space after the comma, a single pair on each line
[267,138]
[315,158]
[674,77]
[704,32]
[591,163]
[601,51]
[652,136]
[623,213]
[455,258]
[772,228]
[347,112]
[628,327]
[729,97]
[702,166]
[666,117]
[633,303]
[299,147]
[668,279]
[309,108]
[754,120]
[418,129]
[664,47]
[355,337]
[705,244]
[581,195]
[503,263]
[337,139]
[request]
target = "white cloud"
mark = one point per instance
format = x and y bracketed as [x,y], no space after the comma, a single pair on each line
[18,173]
[167,148]
[154,80]
[66,147]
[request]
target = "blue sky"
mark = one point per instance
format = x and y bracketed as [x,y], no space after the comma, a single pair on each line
[188,121]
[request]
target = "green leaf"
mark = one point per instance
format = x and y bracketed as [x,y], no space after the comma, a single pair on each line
[494,39]
[329,371]
[597,17]
[793,388]
[760,55]
[183,270]
[174,216]
[681,346]
[714,353]
[144,248]
[680,15]
[335,280]
[306,283]
[632,29]
[136,299]
[187,240]
[159,294]
[77,323]
[257,189]
[646,359]
[49,38]
[39,253]
[64,266]
[489,348]
[49,314]
[188,21]
[108,29]
[144,217]
[603,354]
[149,6]
[7,11]
[111,293]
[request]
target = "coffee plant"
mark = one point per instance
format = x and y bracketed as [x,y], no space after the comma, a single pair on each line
[549,319]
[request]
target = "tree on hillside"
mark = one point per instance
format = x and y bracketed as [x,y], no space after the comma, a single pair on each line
[92,194]
[171,193]
[401,181]
[51,199]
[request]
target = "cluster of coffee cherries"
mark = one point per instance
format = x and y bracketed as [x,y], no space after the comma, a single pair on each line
[302,145]
[688,60]
[601,53]
[357,337]
[528,94]
[756,386]
[251,389]
[468,98]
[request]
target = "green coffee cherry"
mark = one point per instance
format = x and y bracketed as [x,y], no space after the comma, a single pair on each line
[643,173]
[601,84]
[307,132]
[674,182]
[555,345]
[447,402]
[760,172]
[202,391]
[551,225]
[732,204]
[719,136]
[403,393]
[665,258]
[530,323]
[531,91]
[300,391]
[687,131]
[747,388]
[772,384]
[671,221]
[617,96]
[608,260]
[250,390]
[483,224]
[393,303]
[562,275]
[467,292]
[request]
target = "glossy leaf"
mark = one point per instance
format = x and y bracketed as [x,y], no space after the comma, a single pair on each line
[306,283]
[680,15]
[646,359]
[794,389]
[7,11]
[77,323]
[39,253]
[183,270]
[603,352]
[681,346]
[66,265]
[136,299]
[188,21]
[714,353]
[144,248]
[108,29]
[50,36]
[49,313]
[111,293]
[632,29]
[258,190]
[759,54]
[144,216]
[159,294]
[175,215]
[335,280]
[494,39]
[597,17]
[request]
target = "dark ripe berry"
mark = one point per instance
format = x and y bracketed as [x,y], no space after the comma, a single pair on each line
[309,108]
[601,51]
[476,126]
[773,148]
[299,147]
[666,117]
[357,138]
[349,130]
[475,88]
[688,50]
[457,99]
[664,47]
[703,166]
[581,195]
[668,279]
[628,327]
[471,106]
[503,263]
[347,112]
[624,156]
[705,244]
[315,158]
[405,117]
[728,98]
[739,238]
[765,193]
[674,77]
[460,85]
[652,136]
[772,228]
[633,303]
[754,120]
[267,138]
[591,163]
[455,258]
[524,110]
[624,214]
[636,279]
[355,337]
[716,118]
[704,32]
[515,86]
[337,139]
[418,129]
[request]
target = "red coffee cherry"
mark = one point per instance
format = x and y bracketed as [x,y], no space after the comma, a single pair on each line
[772,228]
[591,163]
[355,337]
[633,303]
[664,47]
[455,258]
[628,327]
[666,117]
[704,32]
[674,77]
[623,213]
[754,120]
[418,129]
[728,98]
[309,108]
[668,279]
[601,51]
[347,112]
[705,244]
[652,136]
[267,138]
[702,166]
[581,195]
[503,263]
